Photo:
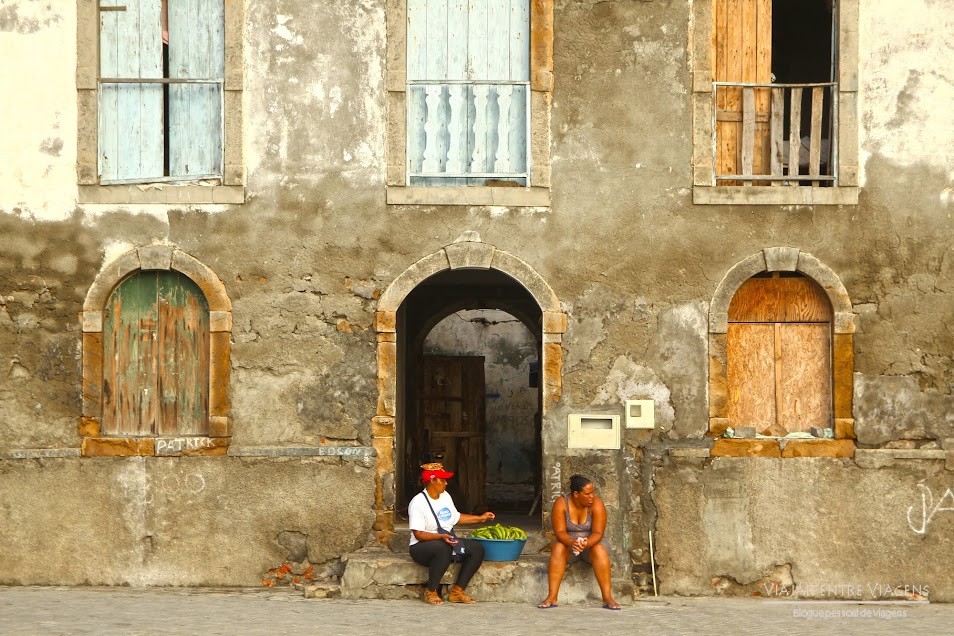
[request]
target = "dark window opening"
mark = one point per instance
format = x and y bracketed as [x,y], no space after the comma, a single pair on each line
[803,52]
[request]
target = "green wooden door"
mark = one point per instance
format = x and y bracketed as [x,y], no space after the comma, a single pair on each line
[156,357]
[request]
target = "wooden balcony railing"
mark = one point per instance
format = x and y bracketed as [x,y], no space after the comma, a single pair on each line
[468,132]
[758,133]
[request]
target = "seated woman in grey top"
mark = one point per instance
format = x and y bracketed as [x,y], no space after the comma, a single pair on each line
[579,521]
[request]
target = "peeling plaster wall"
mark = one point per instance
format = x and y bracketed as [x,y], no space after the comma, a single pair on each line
[632,260]
[174,521]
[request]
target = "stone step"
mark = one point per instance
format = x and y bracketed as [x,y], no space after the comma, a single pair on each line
[382,574]
[319,590]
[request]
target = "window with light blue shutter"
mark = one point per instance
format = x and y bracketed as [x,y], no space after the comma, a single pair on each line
[468,91]
[160,104]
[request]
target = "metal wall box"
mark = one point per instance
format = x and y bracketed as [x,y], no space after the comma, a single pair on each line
[593,431]
[640,414]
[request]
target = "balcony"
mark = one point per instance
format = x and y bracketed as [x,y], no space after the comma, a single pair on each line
[775,134]
[468,133]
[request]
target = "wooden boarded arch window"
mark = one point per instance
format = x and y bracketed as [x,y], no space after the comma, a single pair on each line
[161,77]
[775,92]
[468,92]
[156,357]
[779,355]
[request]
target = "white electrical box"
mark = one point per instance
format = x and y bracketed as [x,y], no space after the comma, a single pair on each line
[593,431]
[640,414]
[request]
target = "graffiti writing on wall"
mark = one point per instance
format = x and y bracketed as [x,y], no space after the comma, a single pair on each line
[171,445]
[928,509]
[556,482]
[140,487]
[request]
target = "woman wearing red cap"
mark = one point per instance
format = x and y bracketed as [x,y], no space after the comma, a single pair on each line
[432,517]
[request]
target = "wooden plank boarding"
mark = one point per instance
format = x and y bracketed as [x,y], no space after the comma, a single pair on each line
[779,356]
[777,132]
[780,300]
[751,376]
[719,74]
[814,160]
[805,393]
[795,134]
[763,74]
[748,131]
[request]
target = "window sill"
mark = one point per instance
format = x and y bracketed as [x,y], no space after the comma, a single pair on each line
[164,194]
[467,195]
[774,195]
[736,447]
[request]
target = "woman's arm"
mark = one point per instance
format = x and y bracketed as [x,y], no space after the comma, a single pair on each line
[558,520]
[468,519]
[422,535]
[599,522]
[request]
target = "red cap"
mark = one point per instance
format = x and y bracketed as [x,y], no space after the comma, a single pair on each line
[433,470]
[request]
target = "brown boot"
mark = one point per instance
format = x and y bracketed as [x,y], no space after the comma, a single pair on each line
[457,595]
[432,598]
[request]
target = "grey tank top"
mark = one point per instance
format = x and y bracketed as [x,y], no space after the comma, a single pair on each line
[578,530]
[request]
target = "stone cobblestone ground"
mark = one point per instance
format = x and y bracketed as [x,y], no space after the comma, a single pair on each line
[191,611]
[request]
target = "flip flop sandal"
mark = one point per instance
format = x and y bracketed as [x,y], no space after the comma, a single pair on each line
[546,605]
[607,606]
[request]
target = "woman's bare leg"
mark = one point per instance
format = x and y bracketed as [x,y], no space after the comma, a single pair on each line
[557,568]
[601,568]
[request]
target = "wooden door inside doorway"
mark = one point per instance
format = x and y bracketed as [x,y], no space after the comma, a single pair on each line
[452,424]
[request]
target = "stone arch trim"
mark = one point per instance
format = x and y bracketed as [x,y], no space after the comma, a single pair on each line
[781,259]
[468,252]
[150,258]
[784,259]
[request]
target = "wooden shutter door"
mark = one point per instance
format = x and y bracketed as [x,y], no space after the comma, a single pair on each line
[183,370]
[751,377]
[779,371]
[743,54]
[156,357]
[804,370]
[196,51]
[130,115]
[452,403]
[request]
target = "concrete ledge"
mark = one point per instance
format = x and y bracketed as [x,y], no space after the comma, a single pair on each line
[468,195]
[777,195]
[302,451]
[37,453]
[167,193]
[385,575]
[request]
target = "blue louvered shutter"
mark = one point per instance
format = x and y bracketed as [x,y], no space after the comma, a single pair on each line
[132,130]
[196,51]
[130,115]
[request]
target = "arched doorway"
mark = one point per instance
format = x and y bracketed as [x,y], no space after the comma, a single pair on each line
[471,388]
[466,275]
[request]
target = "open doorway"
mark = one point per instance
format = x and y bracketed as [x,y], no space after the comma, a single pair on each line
[469,389]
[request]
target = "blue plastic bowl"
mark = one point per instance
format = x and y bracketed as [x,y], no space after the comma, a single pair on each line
[501,549]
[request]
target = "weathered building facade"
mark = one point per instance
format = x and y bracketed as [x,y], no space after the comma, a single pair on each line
[226,235]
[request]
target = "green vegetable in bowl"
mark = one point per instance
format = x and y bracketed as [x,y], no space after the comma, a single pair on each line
[498,531]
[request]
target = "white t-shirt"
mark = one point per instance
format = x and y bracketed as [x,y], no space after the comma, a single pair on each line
[420,517]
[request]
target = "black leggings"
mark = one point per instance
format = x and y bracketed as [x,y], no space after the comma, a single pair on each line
[436,555]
